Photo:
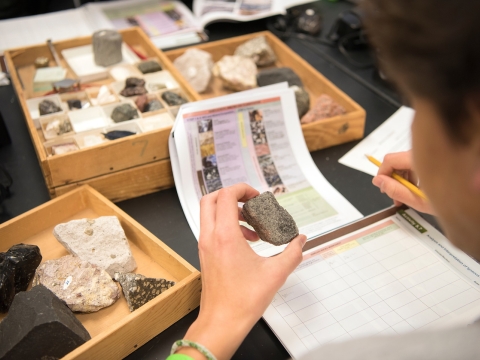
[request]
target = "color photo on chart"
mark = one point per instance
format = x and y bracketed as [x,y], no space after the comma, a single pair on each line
[211,176]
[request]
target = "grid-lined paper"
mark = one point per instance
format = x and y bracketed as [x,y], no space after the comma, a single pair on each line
[382,280]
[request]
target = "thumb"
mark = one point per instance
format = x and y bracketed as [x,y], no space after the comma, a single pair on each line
[292,256]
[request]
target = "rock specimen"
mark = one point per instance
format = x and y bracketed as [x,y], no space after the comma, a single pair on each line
[64,148]
[141,102]
[156,86]
[258,50]
[173,99]
[48,107]
[236,72]
[83,286]
[139,290]
[58,127]
[74,104]
[272,222]
[124,112]
[278,75]
[154,105]
[99,241]
[324,107]
[149,66]
[196,67]
[117,134]
[40,326]
[17,267]
[133,86]
[107,47]
[303,100]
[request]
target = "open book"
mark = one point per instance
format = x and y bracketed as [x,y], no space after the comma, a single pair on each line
[386,274]
[168,23]
[253,137]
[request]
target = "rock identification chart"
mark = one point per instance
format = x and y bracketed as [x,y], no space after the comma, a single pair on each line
[394,276]
[253,137]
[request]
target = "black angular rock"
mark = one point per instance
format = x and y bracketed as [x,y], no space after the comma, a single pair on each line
[21,260]
[74,104]
[132,82]
[173,99]
[117,134]
[278,75]
[48,107]
[124,112]
[7,283]
[149,67]
[39,326]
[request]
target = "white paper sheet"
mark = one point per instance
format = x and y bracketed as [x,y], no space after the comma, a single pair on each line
[387,278]
[392,136]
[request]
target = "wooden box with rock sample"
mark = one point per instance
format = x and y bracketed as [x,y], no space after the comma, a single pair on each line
[103,122]
[328,116]
[64,235]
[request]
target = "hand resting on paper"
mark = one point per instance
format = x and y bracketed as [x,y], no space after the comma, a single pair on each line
[237,284]
[401,163]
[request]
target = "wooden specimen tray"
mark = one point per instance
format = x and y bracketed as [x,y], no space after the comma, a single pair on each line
[318,135]
[119,169]
[114,330]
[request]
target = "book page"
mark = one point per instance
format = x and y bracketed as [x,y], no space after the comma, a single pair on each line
[248,139]
[394,276]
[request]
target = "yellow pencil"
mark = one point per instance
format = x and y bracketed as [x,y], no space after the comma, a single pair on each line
[400,179]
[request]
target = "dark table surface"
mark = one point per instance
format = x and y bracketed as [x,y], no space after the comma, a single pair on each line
[161,212]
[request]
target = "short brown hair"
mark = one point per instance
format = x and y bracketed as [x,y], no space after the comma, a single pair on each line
[431,48]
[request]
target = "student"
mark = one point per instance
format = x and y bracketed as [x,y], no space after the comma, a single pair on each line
[430,49]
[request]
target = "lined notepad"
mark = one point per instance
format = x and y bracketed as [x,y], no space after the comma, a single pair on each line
[394,276]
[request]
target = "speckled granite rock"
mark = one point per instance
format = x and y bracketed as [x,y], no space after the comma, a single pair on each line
[83,286]
[272,222]
[258,50]
[196,67]
[39,326]
[325,107]
[139,290]
[100,241]
[236,72]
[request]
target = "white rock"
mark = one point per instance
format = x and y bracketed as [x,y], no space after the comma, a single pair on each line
[100,241]
[237,72]
[258,50]
[196,67]
[84,287]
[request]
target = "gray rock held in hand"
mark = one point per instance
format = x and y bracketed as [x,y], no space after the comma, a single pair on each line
[272,222]
[100,241]
[83,286]
[40,326]
[107,47]
[139,290]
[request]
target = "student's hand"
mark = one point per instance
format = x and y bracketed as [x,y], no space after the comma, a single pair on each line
[238,285]
[401,163]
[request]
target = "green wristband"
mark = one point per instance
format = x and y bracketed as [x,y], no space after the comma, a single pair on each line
[187,343]
[179,357]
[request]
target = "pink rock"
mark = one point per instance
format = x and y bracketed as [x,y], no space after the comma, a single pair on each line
[325,107]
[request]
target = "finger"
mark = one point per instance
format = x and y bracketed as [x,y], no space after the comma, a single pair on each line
[397,191]
[292,256]
[395,161]
[208,206]
[240,215]
[249,234]
[227,203]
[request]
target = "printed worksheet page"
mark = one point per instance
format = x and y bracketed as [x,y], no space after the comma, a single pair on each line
[394,276]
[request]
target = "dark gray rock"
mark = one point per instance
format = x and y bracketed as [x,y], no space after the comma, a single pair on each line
[48,107]
[173,99]
[107,47]
[133,81]
[139,290]
[133,91]
[149,66]
[124,112]
[278,75]
[154,105]
[272,222]
[74,104]
[21,260]
[303,100]
[39,326]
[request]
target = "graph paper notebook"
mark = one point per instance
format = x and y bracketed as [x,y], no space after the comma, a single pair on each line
[395,275]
